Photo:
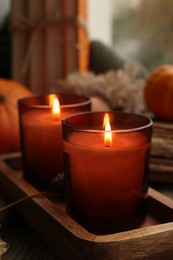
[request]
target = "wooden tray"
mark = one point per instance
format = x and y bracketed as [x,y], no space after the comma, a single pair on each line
[151,239]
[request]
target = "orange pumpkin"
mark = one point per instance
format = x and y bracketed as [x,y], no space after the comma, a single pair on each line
[158,92]
[10,92]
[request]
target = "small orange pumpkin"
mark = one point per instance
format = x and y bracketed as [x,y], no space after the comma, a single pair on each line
[158,92]
[10,92]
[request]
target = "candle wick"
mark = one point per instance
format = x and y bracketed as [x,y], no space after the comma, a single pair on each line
[108,145]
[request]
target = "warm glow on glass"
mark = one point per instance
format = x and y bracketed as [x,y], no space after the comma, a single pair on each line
[56,109]
[108,133]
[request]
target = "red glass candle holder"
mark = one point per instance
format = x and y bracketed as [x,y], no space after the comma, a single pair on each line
[106,179]
[41,135]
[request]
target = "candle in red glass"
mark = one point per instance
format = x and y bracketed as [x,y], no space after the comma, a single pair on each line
[41,134]
[106,165]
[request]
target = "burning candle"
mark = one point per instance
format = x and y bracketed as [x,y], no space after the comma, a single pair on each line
[41,134]
[106,163]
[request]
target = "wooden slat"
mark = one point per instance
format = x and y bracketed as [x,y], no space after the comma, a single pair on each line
[161,166]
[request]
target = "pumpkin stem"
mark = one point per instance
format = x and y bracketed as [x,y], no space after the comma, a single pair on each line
[2,99]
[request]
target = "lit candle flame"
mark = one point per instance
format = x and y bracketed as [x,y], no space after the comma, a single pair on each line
[108,133]
[106,119]
[56,109]
[51,99]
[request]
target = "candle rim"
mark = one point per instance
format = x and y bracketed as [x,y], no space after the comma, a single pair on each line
[77,103]
[132,129]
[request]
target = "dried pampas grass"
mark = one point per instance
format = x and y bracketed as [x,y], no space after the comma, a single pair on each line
[123,89]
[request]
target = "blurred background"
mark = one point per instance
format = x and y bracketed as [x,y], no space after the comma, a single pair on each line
[135,29]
